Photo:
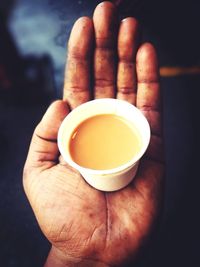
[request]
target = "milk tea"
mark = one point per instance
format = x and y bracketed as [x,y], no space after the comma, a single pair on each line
[104,142]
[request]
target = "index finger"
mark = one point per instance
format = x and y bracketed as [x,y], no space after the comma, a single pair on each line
[77,74]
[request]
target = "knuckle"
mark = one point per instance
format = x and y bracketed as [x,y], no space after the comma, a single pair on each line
[126,90]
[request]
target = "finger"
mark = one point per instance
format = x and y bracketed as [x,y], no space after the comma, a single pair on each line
[149,97]
[105,26]
[148,92]
[127,48]
[43,151]
[77,74]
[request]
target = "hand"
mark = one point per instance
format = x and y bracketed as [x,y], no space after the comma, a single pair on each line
[88,227]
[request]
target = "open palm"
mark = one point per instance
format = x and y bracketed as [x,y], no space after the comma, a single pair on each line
[83,224]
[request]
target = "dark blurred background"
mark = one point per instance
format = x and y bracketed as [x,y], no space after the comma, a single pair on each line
[33,37]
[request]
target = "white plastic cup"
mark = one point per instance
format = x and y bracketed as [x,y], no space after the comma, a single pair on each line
[112,179]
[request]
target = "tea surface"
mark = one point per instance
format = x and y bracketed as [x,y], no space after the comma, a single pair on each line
[104,142]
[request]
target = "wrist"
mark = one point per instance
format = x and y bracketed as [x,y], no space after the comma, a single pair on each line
[56,258]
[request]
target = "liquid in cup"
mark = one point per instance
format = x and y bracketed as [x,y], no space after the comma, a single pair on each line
[104,142]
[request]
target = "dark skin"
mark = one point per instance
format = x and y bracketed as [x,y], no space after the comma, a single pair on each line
[87,227]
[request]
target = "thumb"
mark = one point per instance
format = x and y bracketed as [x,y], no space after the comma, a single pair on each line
[43,151]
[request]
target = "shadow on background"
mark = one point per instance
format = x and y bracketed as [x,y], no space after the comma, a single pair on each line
[29,80]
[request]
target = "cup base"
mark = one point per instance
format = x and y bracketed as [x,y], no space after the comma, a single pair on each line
[111,182]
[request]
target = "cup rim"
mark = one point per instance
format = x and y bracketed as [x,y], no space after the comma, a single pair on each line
[118,169]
